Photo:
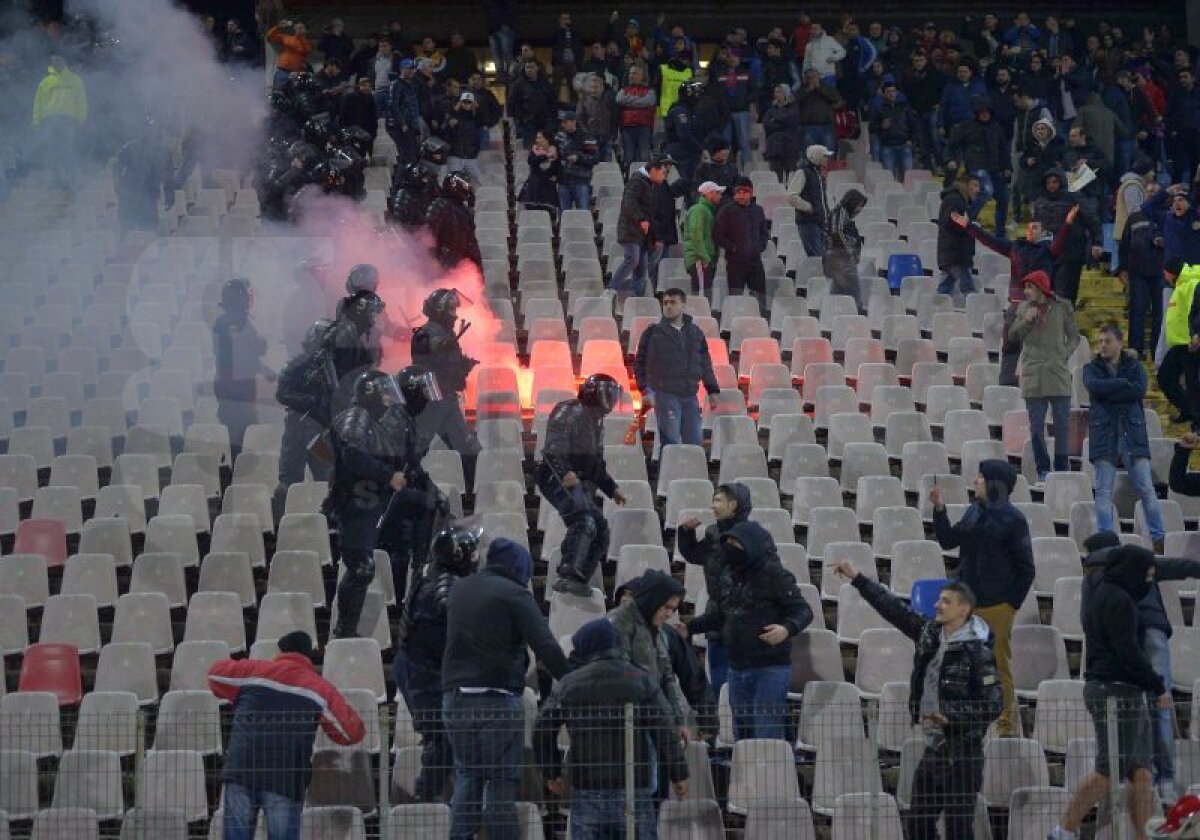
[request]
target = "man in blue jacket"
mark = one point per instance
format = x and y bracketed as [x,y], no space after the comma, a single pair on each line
[672,360]
[1116,382]
[955,105]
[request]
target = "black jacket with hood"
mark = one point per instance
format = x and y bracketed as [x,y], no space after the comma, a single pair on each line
[1110,620]
[706,550]
[753,591]
[955,247]
[995,551]
[1052,209]
[491,619]
[969,691]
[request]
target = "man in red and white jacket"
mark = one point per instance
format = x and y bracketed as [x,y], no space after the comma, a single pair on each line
[268,762]
[636,101]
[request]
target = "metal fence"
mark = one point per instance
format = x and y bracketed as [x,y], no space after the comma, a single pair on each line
[847,767]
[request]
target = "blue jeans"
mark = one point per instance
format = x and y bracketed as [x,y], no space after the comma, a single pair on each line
[956,275]
[898,159]
[241,813]
[819,134]
[1157,648]
[741,134]
[678,418]
[718,664]
[812,235]
[759,700]
[502,42]
[989,188]
[1060,407]
[574,195]
[635,142]
[600,815]
[1143,484]
[486,735]
[630,276]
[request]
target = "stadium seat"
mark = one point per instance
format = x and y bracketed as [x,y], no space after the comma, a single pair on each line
[884,655]
[25,575]
[55,823]
[174,779]
[188,720]
[19,793]
[29,720]
[72,620]
[45,537]
[846,765]
[216,616]
[1011,763]
[53,668]
[144,617]
[1060,715]
[90,779]
[128,666]
[761,769]
[108,720]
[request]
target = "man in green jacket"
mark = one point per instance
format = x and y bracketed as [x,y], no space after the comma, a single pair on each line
[699,251]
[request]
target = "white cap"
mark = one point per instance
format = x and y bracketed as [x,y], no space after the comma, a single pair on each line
[710,186]
[815,151]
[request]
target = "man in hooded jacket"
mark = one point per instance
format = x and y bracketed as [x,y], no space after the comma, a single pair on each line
[656,597]
[731,504]
[954,693]
[590,702]
[1117,668]
[995,560]
[1083,238]
[758,608]
[491,619]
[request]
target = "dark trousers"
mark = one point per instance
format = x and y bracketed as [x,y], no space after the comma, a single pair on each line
[742,276]
[947,784]
[421,687]
[1177,377]
[1010,349]
[1145,295]
[358,533]
[585,544]
[405,535]
[1066,280]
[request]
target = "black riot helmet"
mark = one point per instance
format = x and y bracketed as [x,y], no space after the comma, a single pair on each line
[455,549]
[435,150]
[364,277]
[441,304]
[456,187]
[237,296]
[374,391]
[361,308]
[600,391]
[316,335]
[418,388]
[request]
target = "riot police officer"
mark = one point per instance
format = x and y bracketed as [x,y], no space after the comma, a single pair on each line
[415,185]
[238,351]
[682,142]
[363,277]
[452,225]
[418,665]
[350,344]
[571,471]
[435,347]
[365,474]
[406,528]
[305,388]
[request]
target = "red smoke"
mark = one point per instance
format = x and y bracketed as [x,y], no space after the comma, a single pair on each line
[408,274]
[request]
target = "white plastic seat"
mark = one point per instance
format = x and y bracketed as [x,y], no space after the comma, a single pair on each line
[174,779]
[1035,811]
[90,779]
[128,666]
[762,769]
[1011,763]
[845,765]
[1039,654]
[73,620]
[1060,715]
[108,720]
[29,720]
[144,617]
[188,720]
[891,525]
[216,616]
[884,655]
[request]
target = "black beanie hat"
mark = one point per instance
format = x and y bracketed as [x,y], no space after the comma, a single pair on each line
[296,642]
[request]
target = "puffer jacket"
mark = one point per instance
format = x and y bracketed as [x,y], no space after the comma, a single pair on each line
[977,145]
[674,361]
[1116,412]
[969,691]
[781,124]
[575,443]
[590,702]
[1047,345]
[749,597]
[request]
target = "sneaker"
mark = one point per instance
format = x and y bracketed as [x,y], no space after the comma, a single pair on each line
[570,586]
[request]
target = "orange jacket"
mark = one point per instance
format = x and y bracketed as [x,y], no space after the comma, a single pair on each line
[293,50]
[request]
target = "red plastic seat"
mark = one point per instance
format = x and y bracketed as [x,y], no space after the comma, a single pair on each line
[47,537]
[52,667]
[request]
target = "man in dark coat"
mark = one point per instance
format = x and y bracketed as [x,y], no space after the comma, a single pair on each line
[1082,240]
[995,560]
[590,702]
[634,233]
[954,694]
[955,247]
[741,232]
[978,146]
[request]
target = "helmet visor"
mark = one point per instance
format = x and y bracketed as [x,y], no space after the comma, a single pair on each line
[425,385]
[388,390]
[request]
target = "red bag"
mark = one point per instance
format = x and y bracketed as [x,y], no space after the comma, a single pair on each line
[847,123]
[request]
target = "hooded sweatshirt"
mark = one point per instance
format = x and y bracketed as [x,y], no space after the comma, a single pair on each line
[491,619]
[753,592]
[641,643]
[995,551]
[706,550]
[1110,621]
[955,247]
[974,630]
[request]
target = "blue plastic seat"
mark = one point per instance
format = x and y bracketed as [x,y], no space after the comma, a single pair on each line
[901,266]
[925,594]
